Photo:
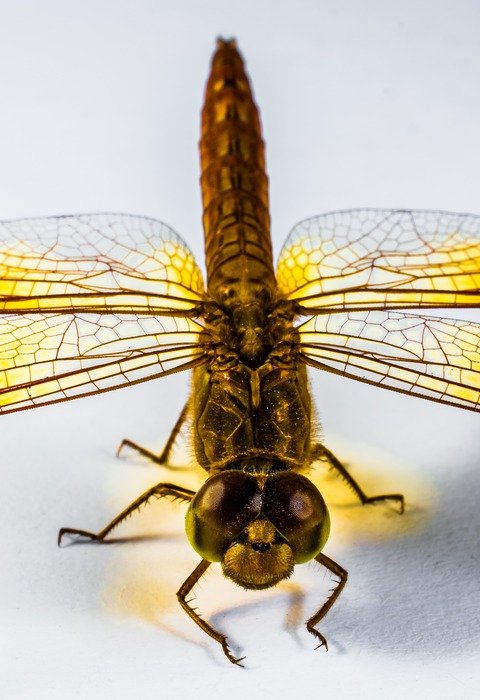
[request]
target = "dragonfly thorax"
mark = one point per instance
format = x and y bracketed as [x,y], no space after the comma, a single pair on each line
[252,328]
[251,333]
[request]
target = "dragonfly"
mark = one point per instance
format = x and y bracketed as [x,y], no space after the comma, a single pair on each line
[92,303]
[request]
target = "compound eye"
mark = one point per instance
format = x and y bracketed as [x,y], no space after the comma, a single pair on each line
[220,510]
[297,510]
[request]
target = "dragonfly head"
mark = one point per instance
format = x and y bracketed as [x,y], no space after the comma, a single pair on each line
[258,526]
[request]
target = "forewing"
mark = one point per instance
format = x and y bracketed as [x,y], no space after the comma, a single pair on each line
[106,263]
[46,358]
[382,259]
[433,358]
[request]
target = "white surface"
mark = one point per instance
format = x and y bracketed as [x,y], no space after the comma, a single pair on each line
[363,104]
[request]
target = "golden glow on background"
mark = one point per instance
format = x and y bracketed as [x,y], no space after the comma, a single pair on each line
[140,582]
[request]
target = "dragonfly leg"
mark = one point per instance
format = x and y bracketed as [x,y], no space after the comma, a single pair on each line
[334,593]
[322,453]
[163,457]
[158,491]
[182,594]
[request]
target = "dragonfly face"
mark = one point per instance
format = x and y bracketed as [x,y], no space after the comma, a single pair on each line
[92,303]
[258,526]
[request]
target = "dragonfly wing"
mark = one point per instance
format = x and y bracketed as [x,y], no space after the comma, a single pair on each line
[433,358]
[47,358]
[93,302]
[108,263]
[382,259]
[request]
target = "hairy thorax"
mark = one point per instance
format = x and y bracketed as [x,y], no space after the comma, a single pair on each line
[251,405]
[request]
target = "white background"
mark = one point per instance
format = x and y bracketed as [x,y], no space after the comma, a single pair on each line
[363,104]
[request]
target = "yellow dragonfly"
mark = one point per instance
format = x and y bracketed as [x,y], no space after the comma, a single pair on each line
[92,303]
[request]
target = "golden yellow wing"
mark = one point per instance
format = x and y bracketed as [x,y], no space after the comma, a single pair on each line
[433,358]
[68,290]
[96,262]
[46,358]
[382,259]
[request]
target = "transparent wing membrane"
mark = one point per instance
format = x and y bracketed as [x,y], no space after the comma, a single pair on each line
[93,302]
[46,358]
[112,263]
[384,258]
[433,358]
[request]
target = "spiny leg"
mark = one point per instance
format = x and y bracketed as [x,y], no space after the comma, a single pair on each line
[322,453]
[163,457]
[182,593]
[158,491]
[315,619]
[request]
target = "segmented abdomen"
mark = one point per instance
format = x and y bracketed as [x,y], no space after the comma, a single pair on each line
[234,182]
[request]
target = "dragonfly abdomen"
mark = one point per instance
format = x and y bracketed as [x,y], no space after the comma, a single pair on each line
[234,184]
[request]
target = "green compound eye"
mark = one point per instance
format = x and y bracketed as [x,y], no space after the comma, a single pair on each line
[220,511]
[296,508]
